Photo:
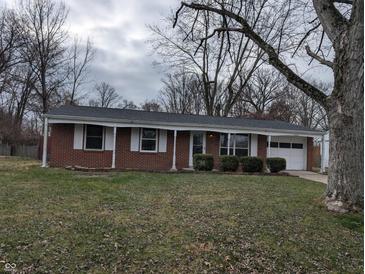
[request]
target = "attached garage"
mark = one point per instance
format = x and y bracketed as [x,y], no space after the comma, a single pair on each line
[292,149]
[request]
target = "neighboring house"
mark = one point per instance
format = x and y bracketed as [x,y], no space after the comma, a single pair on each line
[131,139]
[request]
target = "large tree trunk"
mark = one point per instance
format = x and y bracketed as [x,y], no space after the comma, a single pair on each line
[346,121]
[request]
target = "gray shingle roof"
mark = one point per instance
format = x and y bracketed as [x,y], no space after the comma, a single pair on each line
[108,114]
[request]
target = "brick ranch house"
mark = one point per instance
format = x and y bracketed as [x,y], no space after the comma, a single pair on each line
[95,137]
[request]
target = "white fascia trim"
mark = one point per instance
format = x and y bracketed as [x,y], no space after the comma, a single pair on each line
[76,120]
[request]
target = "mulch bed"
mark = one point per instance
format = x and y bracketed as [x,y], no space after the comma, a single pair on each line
[106,169]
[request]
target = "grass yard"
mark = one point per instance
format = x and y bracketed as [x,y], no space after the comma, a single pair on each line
[53,220]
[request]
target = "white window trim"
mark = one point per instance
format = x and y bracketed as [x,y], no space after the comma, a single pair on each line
[94,149]
[140,141]
[234,144]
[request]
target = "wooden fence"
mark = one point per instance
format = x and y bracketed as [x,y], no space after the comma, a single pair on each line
[5,149]
[29,151]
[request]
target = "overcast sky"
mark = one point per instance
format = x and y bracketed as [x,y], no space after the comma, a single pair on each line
[119,34]
[123,57]
[118,30]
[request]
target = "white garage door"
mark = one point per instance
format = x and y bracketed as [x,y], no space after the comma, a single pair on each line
[293,149]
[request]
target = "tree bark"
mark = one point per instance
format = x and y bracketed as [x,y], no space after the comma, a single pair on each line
[346,120]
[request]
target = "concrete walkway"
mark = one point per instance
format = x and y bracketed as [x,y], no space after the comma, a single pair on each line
[309,175]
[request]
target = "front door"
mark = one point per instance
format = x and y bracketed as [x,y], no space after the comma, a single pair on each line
[197,145]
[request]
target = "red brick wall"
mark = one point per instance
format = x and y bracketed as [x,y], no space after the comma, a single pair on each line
[261,146]
[309,153]
[63,154]
[212,147]
[126,159]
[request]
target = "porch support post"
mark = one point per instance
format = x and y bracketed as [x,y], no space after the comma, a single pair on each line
[322,154]
[173,168]
[45,141]
[269,147]
[229,143]
[114,145]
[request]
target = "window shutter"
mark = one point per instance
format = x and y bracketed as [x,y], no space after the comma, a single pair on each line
[162,140]
[253,147]
[134,139]
[78,136]
[109,134]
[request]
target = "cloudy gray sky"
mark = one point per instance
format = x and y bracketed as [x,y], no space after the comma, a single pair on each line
[118,30]
[124,59]
[119,34]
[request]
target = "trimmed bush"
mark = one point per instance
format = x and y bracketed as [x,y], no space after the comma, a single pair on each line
[276,164]
[251,164]
[203,162]
[229,163]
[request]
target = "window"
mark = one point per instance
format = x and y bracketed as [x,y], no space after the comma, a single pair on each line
[297,146]
[239,144]
[148,139]
[273,144]
[284,145]
[94,137]
[198,143]
[224,144]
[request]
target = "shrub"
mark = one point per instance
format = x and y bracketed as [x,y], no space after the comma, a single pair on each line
[276,164]
[229,163]
[251,164]
[203,162]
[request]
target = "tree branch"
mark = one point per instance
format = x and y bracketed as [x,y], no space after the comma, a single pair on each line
[217,30]
[305,37]
[274,59]
[318,58]
[333,22]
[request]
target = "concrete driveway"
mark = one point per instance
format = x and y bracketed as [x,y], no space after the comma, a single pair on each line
[309,175]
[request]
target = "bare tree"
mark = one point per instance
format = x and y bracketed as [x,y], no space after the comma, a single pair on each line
[10,42]
[43,23]
[37,63]
[17,79]
[15,103]
[20,92]
[306,111]
[78,68]
[224,62]
[107,96]
[281,110]
[125,104]
[268,95]
[264,87]
[344,106]
[151,105]
[182,93]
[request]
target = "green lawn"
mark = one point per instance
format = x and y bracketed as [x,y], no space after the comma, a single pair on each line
[54,220]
